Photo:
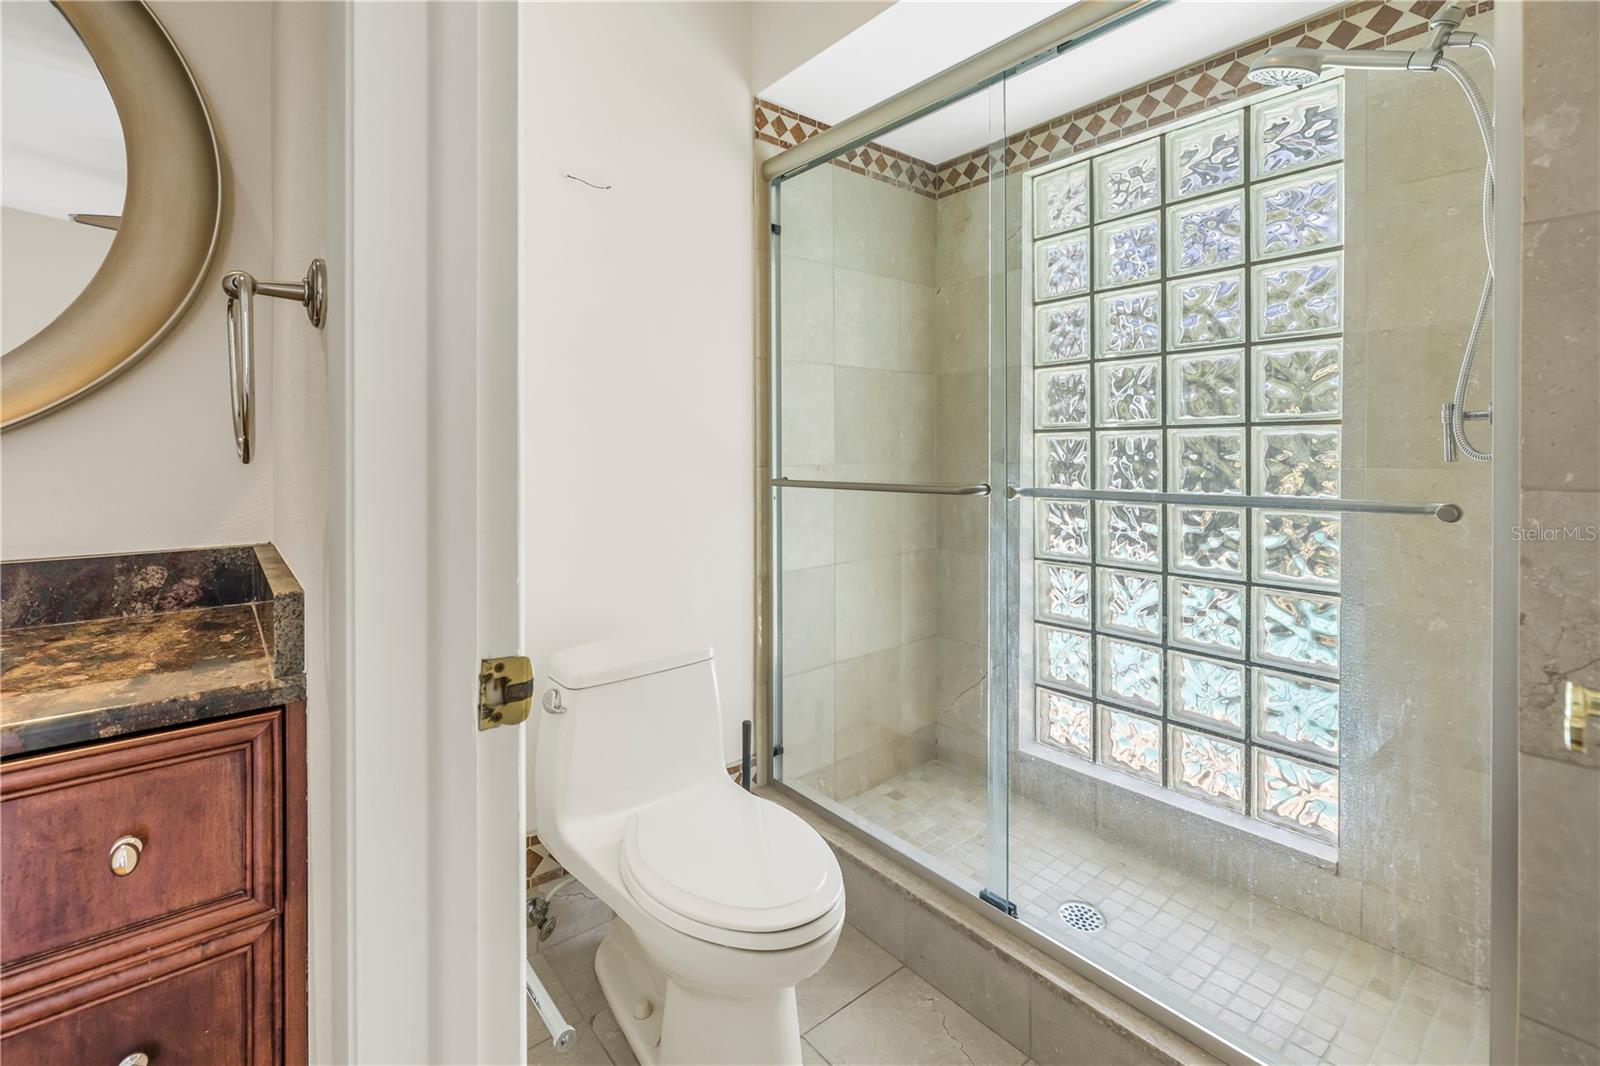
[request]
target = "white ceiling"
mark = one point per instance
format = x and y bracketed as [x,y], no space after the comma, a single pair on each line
[916,39]
[62,142]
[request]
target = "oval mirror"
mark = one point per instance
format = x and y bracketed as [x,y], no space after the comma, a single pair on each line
[110,196]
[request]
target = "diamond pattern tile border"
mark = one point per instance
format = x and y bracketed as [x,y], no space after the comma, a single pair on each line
[1220,78]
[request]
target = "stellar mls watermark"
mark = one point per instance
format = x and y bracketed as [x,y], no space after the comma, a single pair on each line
[1583,534]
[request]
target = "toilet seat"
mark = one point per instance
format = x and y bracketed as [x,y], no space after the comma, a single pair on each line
[726,867]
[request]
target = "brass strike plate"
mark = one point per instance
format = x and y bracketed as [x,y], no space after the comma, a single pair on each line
[505,691]
[1581,704]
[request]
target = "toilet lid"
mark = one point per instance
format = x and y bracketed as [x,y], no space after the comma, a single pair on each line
[726,860]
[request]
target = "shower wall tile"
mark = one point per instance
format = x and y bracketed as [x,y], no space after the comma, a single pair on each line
[808,721]
[916,340]
[919,601]
[805,209]
[1422,245]
[867,606]
[808,619]
[880,229]
[1560,371]
[1560,897]
[805,322]
[808,396]
[961,240]
[866,320]
[808,529]
[866,525]
[1560,109]
[1559,537]
[867,416]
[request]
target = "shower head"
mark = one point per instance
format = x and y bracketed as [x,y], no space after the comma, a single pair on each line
[1302,66]
[1287,66]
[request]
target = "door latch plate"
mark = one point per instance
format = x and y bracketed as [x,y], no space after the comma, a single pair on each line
[505,691]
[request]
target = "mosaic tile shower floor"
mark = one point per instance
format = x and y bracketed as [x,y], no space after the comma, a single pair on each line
[1300,991]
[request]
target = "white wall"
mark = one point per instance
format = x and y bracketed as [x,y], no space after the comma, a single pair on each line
[148,462]
[638,371]
[786,33]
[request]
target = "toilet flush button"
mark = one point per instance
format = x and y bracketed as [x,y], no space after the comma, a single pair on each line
[643,1009]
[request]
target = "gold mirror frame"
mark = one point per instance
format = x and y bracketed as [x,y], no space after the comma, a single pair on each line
[170,228]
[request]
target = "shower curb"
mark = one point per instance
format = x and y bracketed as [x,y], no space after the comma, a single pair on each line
[1043,1007]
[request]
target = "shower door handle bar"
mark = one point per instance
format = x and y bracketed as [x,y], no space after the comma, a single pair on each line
[1444,512]
[882,486]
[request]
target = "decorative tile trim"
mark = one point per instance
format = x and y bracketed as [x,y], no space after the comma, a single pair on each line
[1217,79]
[785,128]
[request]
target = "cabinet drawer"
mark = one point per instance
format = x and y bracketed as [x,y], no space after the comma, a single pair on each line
[202,1005]
[202,802]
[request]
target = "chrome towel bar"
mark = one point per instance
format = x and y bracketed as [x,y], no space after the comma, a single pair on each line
[882,486]
[242,289]
[1444,512]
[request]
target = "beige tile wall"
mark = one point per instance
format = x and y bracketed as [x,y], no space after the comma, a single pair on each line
[1560,586]
[859,402]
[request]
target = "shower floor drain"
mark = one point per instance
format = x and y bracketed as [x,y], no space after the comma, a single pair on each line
[1084,917]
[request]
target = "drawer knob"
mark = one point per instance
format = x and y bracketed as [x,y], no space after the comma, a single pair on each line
[138,1058]
[124,858]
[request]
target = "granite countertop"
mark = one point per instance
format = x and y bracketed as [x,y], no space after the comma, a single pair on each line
[106,646]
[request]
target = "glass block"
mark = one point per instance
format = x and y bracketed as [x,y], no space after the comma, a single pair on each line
[1061,266]
[1061,200]
[1300,795]
[1298,629]
[1207,616]
[1065,723]
[1128,180]
[1295,548]
[1299,130]
[1130,462]
[1130,742]
[1130,603]
[1206,767]
[1130,534]
[1130,393]
[1061,593]
[1297,713]
[1061,398]
[1130,673]
[1127,252]
[1208,541]
[1063,529]
[1206,691]
[1207,311]
[1300,381]
[1128,322]
[1206,156]
[1063,657]
[1061,460]
[1301,296]
[1298,214]
[1206,387]
[1297,461]
[1206,234]
[1207,460]
[1061,332]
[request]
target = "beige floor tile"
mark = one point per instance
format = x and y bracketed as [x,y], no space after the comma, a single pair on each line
[572,961]
[609,1033]
[905,1021]
[855,966]
[585,1051]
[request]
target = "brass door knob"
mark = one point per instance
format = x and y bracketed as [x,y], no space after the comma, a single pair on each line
[1580,704]
[125,856]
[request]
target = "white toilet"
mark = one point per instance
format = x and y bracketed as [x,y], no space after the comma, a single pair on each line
[724,902]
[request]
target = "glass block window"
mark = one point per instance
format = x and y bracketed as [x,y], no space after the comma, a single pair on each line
[1188,301]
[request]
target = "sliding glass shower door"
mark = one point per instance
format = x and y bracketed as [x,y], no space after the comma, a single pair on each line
[1122,576]
[881,500]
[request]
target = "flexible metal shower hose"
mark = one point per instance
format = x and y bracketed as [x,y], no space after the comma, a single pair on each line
[1480,114]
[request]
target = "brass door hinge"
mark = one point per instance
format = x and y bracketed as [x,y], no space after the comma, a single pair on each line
[505,691]
[1581,704]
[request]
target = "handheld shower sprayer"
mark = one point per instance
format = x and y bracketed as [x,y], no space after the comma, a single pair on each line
[1299,67]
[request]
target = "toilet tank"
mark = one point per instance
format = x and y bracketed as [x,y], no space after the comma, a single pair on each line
[621,723]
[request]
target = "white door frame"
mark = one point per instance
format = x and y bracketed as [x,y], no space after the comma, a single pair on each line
[428,879]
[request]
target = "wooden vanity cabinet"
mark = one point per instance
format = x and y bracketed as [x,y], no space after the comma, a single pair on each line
[153,897]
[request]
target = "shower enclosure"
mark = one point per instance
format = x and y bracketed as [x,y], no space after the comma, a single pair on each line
[1120,578]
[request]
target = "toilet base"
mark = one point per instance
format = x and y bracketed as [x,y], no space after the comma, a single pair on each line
[690,1026]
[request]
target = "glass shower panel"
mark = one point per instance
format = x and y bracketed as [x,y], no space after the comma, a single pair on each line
[1249,761]
[882,295]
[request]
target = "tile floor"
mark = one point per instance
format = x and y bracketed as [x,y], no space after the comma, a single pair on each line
[1295,990]
[863,1008]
